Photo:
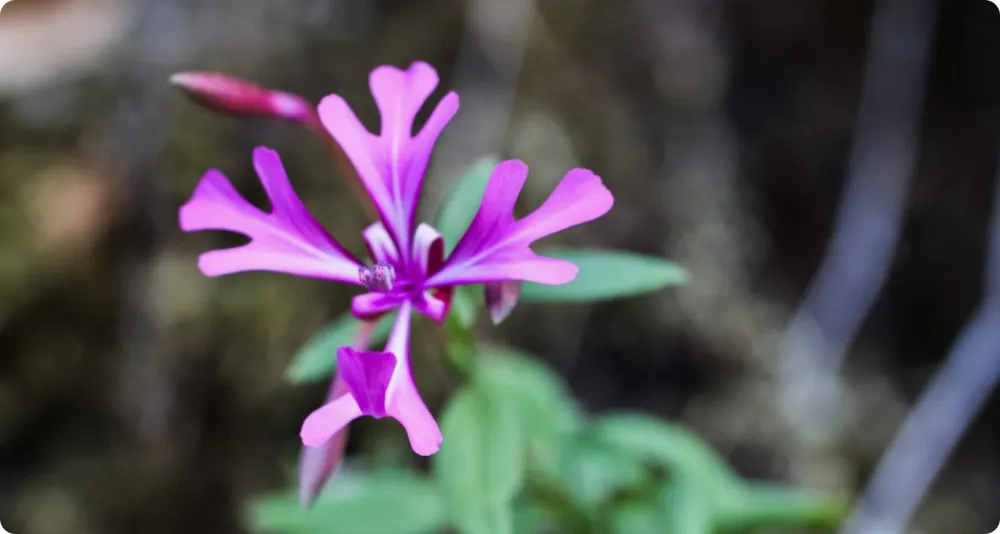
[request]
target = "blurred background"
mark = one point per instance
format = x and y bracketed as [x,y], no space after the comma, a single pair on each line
[826,171]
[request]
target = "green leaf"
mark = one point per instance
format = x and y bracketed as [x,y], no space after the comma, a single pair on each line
[480,466]
[636,518]
[684,508]
[769,506]
[546,410]
[540,394]
[606,275]
[674,508]
[463,201]
[683,453]
[534,519]
[318,358]
[376,504]
[593,470]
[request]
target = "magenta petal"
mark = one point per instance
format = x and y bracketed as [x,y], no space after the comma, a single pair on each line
[409,409]
[367,375]
[428,249]
[288,240]
[371,305]
[404,403]
[392,164]
[380,244]
[380,384]
[501,298]
[495,248]
[579,197]
[317,464]
[430,305]
[323,423]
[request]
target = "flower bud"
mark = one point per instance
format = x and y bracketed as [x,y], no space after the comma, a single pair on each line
[233,96]
[501,298]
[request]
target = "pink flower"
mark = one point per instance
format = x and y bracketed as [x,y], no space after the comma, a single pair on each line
[411,271]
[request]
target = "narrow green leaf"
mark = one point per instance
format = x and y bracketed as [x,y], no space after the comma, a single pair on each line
[606,275]
[376,504]
[318,358]
[463,201]
[769,506]
[480,466]
[683,453]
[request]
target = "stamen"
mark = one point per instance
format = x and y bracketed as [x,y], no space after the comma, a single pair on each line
[378,277]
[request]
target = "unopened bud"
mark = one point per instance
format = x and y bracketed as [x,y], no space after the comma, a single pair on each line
[501,298]
[233,96]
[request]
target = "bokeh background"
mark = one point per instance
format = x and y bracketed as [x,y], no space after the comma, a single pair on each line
[740,138]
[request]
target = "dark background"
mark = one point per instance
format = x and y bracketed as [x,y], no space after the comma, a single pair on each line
[137,395]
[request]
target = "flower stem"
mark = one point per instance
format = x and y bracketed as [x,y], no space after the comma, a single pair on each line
[460,347]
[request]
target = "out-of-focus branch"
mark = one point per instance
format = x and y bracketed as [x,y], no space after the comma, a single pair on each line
[868,220]
[942,414]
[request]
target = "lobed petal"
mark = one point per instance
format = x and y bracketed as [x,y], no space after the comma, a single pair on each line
[379,384]
[580,197]
[404,402]
[317,464]
[367,376]
[287,240]
[391,165]
[495,248]
[329,419]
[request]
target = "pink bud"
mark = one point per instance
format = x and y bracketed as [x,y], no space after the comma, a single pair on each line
[233,96]
[501,297]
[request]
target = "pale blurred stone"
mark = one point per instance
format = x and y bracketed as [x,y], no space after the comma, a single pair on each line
[71,207]
[47,41]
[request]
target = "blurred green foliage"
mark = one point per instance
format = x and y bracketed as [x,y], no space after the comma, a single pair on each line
[518,454]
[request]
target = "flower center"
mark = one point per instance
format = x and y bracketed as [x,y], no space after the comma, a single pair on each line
[378,277]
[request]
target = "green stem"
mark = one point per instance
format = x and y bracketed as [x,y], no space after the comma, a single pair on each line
[460,347]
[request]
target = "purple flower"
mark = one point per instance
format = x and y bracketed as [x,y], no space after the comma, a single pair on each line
[410,270]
